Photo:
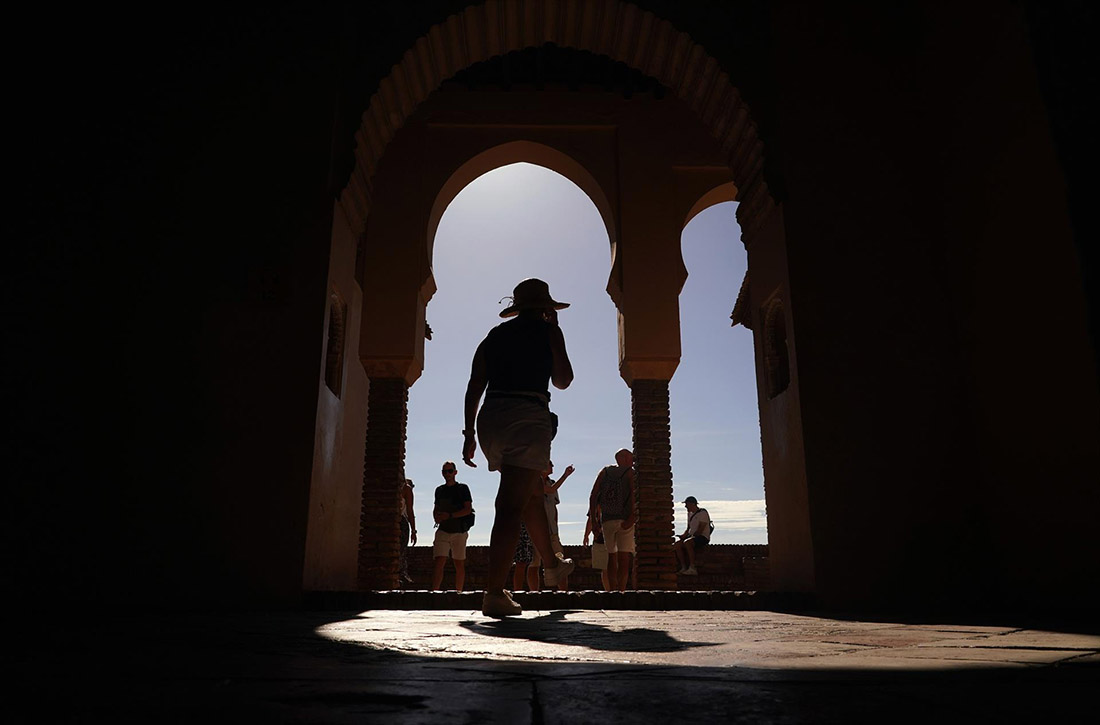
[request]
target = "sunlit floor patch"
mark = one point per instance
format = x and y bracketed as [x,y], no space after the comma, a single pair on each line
[761,640]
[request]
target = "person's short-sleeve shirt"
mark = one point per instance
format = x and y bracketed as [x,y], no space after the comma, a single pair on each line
[699,524]
[450,499]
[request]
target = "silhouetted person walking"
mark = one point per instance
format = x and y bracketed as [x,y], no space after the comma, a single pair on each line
[513,367]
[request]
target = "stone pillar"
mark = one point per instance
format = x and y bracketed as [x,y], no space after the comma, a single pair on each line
[383,470]
[655,564]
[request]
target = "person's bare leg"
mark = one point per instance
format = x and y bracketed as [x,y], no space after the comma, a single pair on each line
[513,495]
[679,557]
[437,571]
[519,576]
[605,579]
[612,572]
[533,577]
[689,549]
[460,573]
[623,566]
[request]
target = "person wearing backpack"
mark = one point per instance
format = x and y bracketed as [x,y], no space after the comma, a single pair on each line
[454,515]
[695,537]
[613,497]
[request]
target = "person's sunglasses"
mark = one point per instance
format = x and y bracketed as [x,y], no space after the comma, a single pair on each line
[449,470]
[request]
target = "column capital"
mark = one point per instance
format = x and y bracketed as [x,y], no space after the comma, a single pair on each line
[407,368]
[648,369]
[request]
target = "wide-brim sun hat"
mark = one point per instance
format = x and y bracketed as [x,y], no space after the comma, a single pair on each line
[531,293]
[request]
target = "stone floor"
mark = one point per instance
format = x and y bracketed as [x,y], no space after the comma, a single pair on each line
[547,666]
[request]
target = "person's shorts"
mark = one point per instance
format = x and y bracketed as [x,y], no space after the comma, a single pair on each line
[515,432]
[699,542]
[599,556]
[617,538]
[452,544]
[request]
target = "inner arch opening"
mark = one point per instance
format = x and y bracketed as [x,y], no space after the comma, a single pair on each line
[715,433]
[506,224]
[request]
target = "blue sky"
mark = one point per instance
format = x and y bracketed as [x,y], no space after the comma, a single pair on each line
[526,221]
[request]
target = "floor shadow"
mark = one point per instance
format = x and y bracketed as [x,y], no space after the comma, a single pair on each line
[274,667]
[554,628]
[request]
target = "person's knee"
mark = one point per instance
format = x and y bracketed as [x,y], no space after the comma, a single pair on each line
[460,564]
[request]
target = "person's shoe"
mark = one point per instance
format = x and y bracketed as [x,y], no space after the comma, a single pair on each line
[563,569]
[690,571]
[499,605]
[683,570]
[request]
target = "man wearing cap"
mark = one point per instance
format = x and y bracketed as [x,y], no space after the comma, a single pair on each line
[514,366]
[694,538]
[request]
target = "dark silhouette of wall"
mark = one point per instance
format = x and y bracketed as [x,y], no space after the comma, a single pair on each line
[168,300]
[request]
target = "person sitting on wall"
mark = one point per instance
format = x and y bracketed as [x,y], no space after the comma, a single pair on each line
[694,538]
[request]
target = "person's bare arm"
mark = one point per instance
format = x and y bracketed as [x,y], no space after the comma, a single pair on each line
[593,499]
[555,485]
[441,515]
[561,370]
[479,380]
[408,494]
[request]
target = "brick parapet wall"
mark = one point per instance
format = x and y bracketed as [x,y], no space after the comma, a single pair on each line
[383,472]
[655,564]
[722,567]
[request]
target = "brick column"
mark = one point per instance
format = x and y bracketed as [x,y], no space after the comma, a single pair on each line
[383,470]
[655,564]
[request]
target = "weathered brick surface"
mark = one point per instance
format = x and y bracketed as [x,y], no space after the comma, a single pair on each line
[383,472]
[655,564]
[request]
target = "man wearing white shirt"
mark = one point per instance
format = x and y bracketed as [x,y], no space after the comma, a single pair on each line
[694,538]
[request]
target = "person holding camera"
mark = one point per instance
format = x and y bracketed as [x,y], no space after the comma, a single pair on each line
[514,366]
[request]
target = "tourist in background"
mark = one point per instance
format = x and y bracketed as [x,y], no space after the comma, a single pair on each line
[612,499]
[453,511]
[408,528]
[695,537]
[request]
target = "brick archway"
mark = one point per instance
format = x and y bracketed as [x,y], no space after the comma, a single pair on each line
[620,30]
[649,353]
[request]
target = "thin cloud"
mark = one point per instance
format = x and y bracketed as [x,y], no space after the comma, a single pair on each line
[737,515]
